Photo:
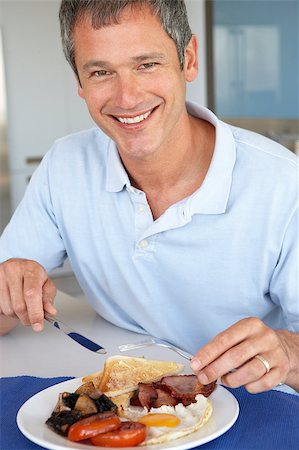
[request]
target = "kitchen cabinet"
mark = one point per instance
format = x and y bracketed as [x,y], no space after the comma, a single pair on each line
[255,66]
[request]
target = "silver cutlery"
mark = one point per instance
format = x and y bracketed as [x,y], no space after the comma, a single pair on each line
[155,341]
[79,338]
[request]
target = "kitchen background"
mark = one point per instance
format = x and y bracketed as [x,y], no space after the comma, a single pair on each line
[248,75]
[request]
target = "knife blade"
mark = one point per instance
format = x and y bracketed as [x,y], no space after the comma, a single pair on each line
[79,338]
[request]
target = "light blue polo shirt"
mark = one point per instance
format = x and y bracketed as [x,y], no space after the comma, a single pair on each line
[227,252]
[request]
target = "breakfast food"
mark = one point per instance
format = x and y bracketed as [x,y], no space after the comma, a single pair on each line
[173,407]
[122,374]
[133,401]
[86,401]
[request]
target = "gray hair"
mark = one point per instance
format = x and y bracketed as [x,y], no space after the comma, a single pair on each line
[172,14]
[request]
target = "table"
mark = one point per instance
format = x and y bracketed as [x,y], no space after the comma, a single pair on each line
[266,421]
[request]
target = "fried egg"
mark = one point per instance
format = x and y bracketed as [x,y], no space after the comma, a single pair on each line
[168,423]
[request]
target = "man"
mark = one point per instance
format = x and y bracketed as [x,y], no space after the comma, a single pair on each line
[175,223]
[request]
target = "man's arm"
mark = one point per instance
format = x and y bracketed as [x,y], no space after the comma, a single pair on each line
[26,292]
[231,356]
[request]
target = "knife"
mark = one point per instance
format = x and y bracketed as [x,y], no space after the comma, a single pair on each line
[79,338]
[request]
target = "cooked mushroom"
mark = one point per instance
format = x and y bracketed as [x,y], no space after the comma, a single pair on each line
[66,402]
[85,405]
[60,422]
[60,405]
[90,390]
[72,407]
[104,403]
[70,399]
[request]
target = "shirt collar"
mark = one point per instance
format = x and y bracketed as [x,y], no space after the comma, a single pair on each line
[117,176]
[213,194]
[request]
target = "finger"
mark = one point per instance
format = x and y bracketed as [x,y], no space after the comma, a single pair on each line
[17,298]
[49,293]
[265,383]
[248,373]
[6,307]
[33,295]
[3,291]
[229,338]
[232,359]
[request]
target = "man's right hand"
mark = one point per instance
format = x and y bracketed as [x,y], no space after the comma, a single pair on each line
[26,292]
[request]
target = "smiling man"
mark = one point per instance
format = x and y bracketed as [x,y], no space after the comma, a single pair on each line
[136,94]
[175,223]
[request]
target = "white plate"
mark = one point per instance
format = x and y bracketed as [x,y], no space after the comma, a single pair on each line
[33,414]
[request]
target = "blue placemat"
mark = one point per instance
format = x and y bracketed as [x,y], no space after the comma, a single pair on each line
[14,392]
[267,421]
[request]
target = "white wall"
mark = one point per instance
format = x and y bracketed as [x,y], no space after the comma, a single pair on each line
[197,91]
[42,101]
[4,172]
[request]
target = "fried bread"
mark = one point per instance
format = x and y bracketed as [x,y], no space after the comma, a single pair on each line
[122,374]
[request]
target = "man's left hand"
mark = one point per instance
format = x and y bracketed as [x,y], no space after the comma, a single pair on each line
[250,354]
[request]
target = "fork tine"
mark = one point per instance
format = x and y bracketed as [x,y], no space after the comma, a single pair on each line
[127,347]
[155,341]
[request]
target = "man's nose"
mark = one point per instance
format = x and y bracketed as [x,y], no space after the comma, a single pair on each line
[127,92]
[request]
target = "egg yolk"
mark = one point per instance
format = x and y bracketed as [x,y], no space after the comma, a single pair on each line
[160,420]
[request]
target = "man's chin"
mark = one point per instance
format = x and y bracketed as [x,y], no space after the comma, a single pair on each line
[139,145]
[136,153]
[136,148]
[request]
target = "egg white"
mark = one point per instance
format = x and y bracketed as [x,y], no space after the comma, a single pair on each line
[191,418]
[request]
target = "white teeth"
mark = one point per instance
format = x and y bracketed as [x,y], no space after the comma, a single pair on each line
[136,119]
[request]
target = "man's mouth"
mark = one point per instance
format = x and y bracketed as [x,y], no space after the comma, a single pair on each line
[136,119]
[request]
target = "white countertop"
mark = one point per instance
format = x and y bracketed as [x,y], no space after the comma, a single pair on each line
[51,353]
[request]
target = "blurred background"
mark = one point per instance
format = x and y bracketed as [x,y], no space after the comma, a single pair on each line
[249,76]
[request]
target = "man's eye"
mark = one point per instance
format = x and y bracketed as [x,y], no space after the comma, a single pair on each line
[148,65]
[100,73]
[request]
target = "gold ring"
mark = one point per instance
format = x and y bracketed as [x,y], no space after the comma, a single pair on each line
[265,362]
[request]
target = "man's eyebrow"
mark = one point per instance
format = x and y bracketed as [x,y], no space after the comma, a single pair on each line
[146,56]
[95,63]
[138,59]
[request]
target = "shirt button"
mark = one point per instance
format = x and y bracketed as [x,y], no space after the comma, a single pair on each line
[143,244]
[141,209]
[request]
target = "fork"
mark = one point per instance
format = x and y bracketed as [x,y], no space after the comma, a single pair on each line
[155,341]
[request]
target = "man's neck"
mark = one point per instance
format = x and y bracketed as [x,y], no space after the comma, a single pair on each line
[177,171]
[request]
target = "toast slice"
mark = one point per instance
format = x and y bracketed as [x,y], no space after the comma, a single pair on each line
[94,377]
[122,374]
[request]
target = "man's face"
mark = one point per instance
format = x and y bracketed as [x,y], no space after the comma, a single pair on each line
[132,82]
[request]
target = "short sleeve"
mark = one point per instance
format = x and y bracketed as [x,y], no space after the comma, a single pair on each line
[32,232]
[284,286]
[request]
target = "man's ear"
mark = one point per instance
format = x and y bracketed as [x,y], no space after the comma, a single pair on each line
[80,91]
[79,87]
[191,59]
